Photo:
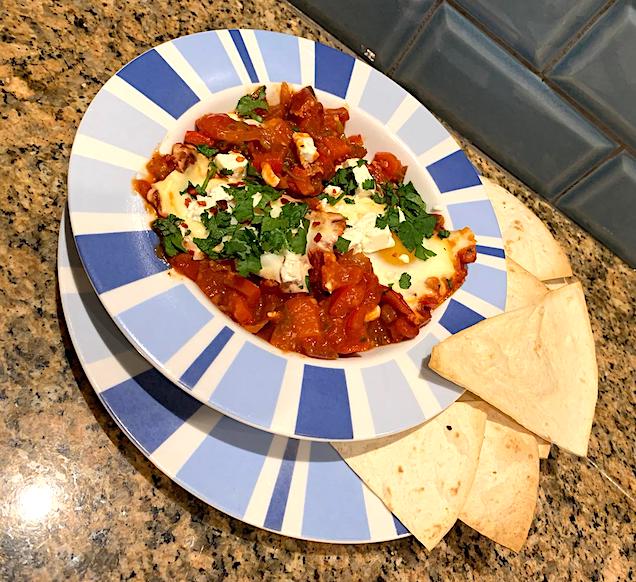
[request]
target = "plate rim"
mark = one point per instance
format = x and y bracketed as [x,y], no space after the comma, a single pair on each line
[152,359]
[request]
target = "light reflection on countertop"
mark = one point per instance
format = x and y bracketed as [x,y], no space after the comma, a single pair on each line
[78,501]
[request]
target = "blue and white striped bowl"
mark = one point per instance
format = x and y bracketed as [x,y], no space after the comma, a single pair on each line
[296,488]
[150,102]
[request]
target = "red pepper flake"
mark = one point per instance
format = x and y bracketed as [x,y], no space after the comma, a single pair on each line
[240,159]
[201,202]
[184,225]
[191,251]
[317,237]
[187,202]
[240,183]
[315,223]
[284,201]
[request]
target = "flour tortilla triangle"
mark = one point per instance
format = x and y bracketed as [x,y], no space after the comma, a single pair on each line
[526,239]
[423,476]
[523,288]
[536,364]
[503,497]
[543,446]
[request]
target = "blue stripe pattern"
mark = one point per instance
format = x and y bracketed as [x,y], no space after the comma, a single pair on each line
[323,410]
[454,172]
[278,502]
[333,70]
[281,56]
[478,214]
[492,251]
[251,385]
[334,501]
[192,375]
[391,400]
[152,76]
[399,527]
[457,317]
[150,408]
[245,56]
[107,257]
[115,122]
[380,98]
[110,187]
[165,322]
[206,55]
[422,131]
[487,283]
[225,468]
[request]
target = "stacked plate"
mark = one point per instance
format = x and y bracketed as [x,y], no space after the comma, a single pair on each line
[238,423]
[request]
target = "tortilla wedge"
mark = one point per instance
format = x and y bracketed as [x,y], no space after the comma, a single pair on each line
[536,364]
[425,474]
[502,500]
[526,239]
[543,446]
[523,288]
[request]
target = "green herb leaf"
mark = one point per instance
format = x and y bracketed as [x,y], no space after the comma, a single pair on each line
[405,281]
[171,237]
[349,201]
[248,104]
[307,286]
[226,172]
[342,245]
[207,151]
[251,264]
[361,162]
[443,233]
[368,184]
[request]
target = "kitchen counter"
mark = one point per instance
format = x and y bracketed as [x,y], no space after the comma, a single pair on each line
[111,514]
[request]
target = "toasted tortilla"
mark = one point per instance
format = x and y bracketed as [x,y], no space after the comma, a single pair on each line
[542,445]
[523,288]
[424,475]
[536,364]
[502,500]
[526,239]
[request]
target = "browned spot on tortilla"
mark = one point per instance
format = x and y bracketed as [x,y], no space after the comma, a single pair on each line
[400,469]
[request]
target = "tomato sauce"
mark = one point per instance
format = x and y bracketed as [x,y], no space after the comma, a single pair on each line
[346,311]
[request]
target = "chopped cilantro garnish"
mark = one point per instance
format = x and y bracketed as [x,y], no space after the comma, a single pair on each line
[349,201]
[207,151]
[171,237]
[405,281]
[252,173]
[248,104]
[368,184]
[307,286]
[443,233]
[226,172]
[361,162]
[417,224]
[342,245]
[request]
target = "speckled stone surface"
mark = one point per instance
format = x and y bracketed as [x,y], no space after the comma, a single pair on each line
[112,515]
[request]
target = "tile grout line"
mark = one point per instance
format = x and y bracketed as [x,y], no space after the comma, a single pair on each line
[614,153]
[611,480]
[411,41]
[577,36]
[542,73]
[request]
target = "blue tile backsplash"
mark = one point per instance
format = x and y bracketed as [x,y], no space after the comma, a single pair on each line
[531,130]
[599,71]
[546,88]
[604,203]
[536,30]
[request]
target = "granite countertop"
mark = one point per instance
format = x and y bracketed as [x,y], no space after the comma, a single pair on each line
[112,514]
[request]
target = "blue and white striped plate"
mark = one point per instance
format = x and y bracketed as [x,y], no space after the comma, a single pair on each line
[151,101]
[296,488]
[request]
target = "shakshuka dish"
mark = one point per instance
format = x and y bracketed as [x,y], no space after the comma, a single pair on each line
[276,214]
